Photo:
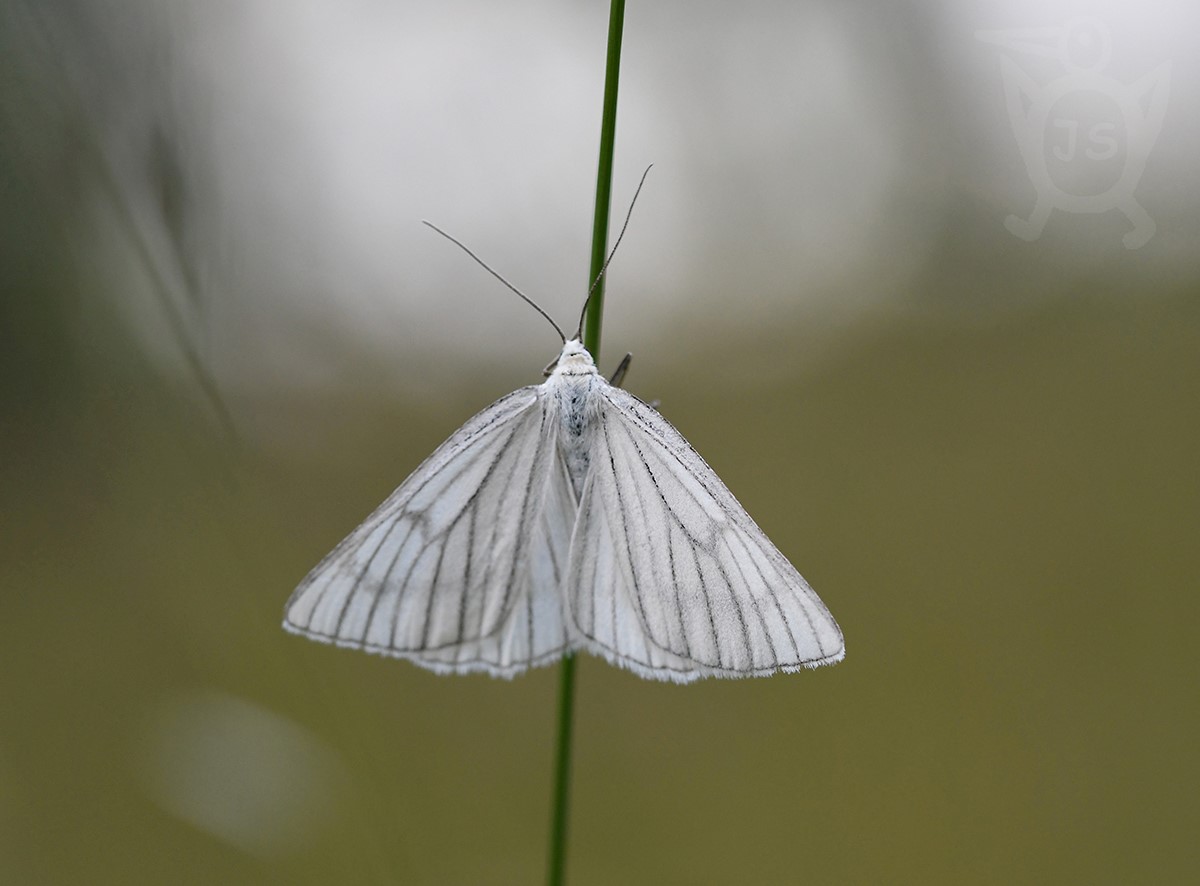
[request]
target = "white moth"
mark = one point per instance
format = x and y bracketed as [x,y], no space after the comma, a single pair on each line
[567,516]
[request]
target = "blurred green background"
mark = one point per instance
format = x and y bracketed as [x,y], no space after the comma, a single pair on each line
[224,338]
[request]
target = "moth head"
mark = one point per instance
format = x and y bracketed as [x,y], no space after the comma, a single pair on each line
[574,348]
[574,356]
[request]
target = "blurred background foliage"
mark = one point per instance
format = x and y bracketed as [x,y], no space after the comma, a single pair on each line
[224,338]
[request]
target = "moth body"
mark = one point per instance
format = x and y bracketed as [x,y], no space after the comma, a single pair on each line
[572,386]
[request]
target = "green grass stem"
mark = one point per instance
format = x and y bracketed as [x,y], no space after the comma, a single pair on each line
[591,340]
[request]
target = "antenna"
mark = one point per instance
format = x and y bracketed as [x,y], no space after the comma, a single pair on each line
[604,267]
[485,266]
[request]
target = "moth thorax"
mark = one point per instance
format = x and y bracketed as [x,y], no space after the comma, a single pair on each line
[576,414]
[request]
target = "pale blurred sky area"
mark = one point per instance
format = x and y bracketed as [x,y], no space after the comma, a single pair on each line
[264,166]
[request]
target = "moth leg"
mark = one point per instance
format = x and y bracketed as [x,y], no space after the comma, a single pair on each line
[619,375]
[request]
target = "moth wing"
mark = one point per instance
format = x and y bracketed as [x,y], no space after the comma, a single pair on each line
[669,576]
[460,569]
